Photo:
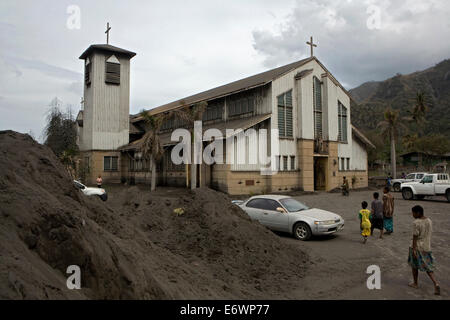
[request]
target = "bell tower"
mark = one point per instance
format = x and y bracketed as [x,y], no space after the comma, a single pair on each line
[106,97]
[103,122]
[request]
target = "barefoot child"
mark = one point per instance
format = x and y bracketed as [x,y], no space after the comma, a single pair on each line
[364,217]
[420,256]
[99,181]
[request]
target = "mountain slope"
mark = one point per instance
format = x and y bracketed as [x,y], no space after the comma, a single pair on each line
[399,92]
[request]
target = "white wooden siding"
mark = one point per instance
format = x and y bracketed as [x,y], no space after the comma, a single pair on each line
[359,156]
[107,107]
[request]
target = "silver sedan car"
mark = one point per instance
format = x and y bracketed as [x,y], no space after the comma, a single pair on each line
[285,214]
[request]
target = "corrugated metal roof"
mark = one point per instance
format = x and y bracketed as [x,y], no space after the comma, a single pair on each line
[254,81]
[106,48]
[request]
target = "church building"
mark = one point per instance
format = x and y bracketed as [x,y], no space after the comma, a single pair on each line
[317,144]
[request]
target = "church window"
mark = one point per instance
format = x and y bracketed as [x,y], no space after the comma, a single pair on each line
[110,163]
[285,163]
[317,88]
[87,72]
[342,122]
[213,112]
[241,104]
[112,70]
[285,121]
[292,163]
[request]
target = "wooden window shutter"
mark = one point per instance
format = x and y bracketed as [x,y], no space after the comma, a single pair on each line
[317,94]
[114,163]
[87,74]
[339,121]
[289,127]
[281,116]
[318,124]
[289,118]
[344,123]
[289,99]
[112,72]
[107,163]
[317,88]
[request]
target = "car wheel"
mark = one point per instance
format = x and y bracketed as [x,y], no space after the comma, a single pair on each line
[104,197]
[302,231]
[447,194]
[407,194]
[397,187]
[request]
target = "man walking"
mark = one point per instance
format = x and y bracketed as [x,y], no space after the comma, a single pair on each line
[345,187]
[377,214]
[388,211]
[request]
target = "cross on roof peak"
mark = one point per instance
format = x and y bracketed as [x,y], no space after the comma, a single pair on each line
[312,45]
[108,28]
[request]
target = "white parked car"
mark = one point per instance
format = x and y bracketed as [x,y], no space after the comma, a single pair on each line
[90,191]
[416,176]
[437,184]
[283,213]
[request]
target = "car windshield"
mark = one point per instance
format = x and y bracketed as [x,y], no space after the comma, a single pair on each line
[293,205]
[79,185]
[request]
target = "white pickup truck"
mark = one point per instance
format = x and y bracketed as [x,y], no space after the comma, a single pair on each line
[437,184]
[412,177]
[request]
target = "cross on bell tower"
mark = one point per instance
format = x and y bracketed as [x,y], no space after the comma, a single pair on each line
[312,45]
[108,28]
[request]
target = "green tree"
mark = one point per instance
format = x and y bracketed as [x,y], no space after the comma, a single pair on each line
[391,126]
[419,110]
[409,141]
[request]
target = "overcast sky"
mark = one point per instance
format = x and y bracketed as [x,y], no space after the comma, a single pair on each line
[184,47]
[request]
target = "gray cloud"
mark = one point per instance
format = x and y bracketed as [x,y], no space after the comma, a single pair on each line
[183,48]
[44,68]
[411,37]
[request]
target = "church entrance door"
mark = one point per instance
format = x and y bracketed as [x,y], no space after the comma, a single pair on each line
[320,173]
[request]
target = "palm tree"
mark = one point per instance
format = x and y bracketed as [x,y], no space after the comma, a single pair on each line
[409,141]
[189,116]
[151,147]
[417,114]
[391,126]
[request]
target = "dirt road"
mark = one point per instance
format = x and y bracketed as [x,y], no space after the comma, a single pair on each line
[341,261]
